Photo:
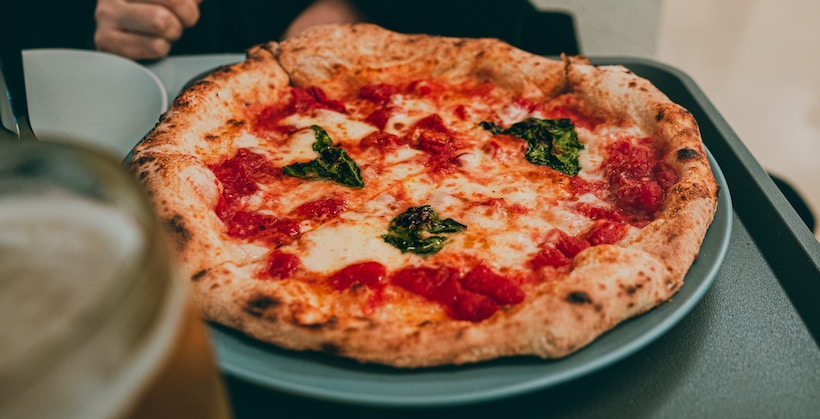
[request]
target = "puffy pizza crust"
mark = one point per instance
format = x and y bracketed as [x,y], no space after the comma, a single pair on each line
[674,237]
[342,58]
[203,124]
[607,284]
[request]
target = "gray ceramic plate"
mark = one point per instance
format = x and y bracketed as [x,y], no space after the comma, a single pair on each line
[91,97]
[324,377]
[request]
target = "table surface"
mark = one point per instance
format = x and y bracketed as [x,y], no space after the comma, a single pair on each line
[748,349]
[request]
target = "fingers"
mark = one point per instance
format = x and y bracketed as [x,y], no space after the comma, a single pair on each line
[142,29]
[187,11]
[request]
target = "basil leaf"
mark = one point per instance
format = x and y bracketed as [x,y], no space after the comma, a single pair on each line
[448,225]
[419,246]
[409,231]
[550,142]
[333,163]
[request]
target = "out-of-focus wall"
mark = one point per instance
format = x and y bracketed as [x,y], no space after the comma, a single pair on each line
[612,27]
[757,61]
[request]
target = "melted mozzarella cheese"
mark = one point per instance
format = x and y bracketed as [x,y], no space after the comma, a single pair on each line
[406,112]
[507,206]
[340,127]
[334,246]
[300,146]
[356,236]
[246,140]
[513,112]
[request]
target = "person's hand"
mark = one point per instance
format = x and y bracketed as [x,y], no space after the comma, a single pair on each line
[142,29]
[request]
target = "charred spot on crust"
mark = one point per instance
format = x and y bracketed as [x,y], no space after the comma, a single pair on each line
[632,289]
[633,83]
[331,348]
[460,334]
[236,122]
[329,324]
[180,102]
[659,116]
[358,289]
[197,276]
[578,297]
[145,159]
[225,69]
[690,192]
[687,154]
[257,306]
[176,225]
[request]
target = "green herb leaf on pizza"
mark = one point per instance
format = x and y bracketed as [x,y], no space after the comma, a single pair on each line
[550,142]
[333,163]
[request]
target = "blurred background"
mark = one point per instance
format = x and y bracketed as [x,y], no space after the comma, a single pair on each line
[756,60]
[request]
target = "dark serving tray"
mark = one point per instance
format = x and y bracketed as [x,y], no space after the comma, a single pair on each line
[748,349]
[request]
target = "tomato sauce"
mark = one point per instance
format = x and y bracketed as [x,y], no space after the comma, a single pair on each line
[282,265]
[473,296]
[239,177]
[325,208]
[567,108]
[426,88]
[605,232]
[371,274]
[379,118]
[380,140]
[301,101]
[560,248]
[430,135]
[240,174]
[637,177]
[256,226]
[379,93]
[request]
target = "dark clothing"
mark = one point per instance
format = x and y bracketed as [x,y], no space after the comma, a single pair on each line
[234,25]
[228,26]
[47,24]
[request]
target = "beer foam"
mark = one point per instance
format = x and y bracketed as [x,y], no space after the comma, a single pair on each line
[61,255]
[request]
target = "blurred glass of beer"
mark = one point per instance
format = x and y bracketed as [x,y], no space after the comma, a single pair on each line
[95,324]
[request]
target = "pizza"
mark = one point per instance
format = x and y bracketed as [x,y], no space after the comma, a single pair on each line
[414,200]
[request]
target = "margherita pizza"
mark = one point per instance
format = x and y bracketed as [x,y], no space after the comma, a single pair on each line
[413,200]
